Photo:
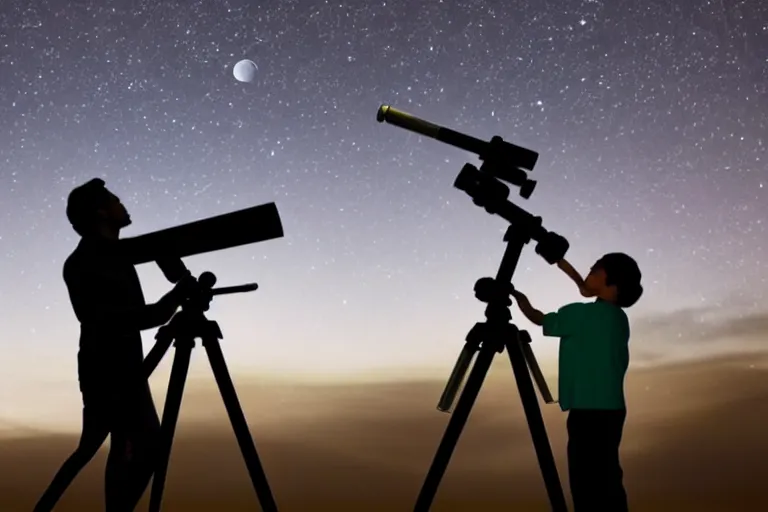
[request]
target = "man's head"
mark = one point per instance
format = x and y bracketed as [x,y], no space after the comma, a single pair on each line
[616,278]
[94,210]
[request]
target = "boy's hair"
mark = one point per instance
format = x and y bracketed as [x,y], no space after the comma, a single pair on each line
[622,270]
[83,204]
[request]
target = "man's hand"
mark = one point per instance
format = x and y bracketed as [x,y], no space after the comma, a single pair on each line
[185,287]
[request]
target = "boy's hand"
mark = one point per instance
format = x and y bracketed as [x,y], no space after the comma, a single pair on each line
[532,314]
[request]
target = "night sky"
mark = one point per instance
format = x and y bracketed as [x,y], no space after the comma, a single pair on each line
[650,118]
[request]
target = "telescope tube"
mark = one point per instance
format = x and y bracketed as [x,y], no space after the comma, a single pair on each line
[404,120]
[242,227]
[242,288]
[496,150]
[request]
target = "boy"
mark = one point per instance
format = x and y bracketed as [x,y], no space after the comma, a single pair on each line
[594,355]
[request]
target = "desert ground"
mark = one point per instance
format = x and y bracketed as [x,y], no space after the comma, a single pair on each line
[695,440]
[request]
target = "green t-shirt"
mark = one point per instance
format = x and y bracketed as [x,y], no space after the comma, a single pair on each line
[594,354]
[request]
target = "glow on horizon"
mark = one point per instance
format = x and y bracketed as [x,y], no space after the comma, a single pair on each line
[380,255]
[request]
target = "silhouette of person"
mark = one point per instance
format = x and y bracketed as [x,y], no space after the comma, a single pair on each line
[594,357]
[108,301]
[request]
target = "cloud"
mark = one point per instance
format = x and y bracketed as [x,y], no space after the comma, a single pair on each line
[694,441]
[698,332]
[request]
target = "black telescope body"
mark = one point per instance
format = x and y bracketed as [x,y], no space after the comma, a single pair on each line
[167,248]
[502,161]
[242,227]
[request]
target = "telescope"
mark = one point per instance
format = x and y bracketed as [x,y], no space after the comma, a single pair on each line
[167,247]
[502,162]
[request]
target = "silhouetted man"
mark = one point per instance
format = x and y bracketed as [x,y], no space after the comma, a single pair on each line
[108,301]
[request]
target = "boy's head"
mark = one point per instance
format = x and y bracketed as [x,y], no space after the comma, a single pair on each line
[92,209]
[616,278]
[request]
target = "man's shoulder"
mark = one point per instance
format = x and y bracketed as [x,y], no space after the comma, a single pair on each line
[74,260]
[84,257]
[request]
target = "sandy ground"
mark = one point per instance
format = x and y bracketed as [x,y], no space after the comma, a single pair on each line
[696,439]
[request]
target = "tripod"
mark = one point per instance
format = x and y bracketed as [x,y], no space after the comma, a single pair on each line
[502,161]
[486,339]
[187,325]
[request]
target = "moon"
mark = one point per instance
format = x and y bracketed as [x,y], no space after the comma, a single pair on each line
[245,71]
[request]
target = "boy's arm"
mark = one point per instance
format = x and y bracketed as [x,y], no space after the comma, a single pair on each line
[532,314]
[566,321]
[576,277]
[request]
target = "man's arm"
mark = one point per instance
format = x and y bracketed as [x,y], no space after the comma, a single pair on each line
[532,314]
[97,299]
[576,277]
[159,313]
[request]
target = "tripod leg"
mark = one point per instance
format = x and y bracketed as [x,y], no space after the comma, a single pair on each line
[536,426]
[170,418]
[239,425]
[454,428]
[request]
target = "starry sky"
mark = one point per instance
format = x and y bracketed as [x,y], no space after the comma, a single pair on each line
[650,119]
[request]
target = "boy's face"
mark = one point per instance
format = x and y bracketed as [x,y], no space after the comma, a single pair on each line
[596,282]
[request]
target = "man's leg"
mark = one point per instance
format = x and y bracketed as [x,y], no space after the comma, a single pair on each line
[117,473]
[134,436]
[144,436]
[120,461]
[95,431]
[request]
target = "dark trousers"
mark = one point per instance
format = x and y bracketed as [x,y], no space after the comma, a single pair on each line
[594,437]
[119,405]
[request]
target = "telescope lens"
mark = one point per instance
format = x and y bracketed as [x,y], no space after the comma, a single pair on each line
[381,115]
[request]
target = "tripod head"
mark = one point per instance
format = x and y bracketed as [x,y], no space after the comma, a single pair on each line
[191,322]
[502,162]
